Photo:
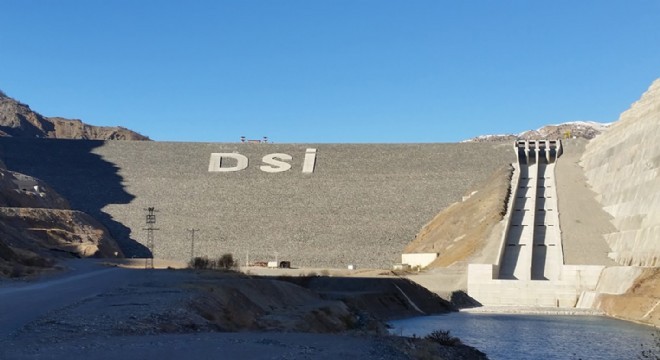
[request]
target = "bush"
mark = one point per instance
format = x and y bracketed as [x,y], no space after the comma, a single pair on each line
[224,262]
[199,263]
[443,337]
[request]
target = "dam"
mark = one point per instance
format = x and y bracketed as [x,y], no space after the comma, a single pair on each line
[315,205]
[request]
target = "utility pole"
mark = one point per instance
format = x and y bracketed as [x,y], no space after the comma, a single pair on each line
[192,243]
[150,222]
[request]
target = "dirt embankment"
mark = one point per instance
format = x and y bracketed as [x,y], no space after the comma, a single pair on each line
[462,230]
[376,298]
[317,304]
[249,304]
[641,303]
[176,303]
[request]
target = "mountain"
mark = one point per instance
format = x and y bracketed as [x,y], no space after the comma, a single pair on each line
[574,129]
[18,120]
[37,226]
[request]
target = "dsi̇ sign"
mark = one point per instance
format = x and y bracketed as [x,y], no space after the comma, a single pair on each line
[272,163]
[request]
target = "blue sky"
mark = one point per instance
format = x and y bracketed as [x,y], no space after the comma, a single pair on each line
[328,70]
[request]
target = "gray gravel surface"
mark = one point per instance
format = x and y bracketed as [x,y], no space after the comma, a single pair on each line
[282,346]
[582,219]
[362,204]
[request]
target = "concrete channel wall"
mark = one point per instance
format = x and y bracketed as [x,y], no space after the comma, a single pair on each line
[361,204]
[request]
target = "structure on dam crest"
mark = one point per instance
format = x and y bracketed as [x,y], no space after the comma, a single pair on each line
[531,269]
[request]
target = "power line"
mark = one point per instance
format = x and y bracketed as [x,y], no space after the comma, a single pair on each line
[192,243]
[150,221]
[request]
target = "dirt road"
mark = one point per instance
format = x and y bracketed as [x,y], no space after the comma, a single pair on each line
[24,302]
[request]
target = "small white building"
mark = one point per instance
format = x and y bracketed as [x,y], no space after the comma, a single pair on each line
[419,260]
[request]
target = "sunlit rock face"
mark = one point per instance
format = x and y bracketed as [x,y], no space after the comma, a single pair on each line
[19,120]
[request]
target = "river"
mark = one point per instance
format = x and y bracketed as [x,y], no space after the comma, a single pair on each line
[506,336]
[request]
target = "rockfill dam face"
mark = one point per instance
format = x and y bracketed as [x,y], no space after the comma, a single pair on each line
[325,205]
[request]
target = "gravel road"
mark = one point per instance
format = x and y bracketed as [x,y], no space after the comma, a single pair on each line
[24,302]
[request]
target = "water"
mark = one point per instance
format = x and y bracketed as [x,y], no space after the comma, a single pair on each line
[506,336]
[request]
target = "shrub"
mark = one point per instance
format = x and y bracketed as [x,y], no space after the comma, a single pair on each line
[199,263]
[443,337]
[226,262]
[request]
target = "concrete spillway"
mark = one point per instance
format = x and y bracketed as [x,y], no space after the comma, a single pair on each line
[530,270]
[533,245]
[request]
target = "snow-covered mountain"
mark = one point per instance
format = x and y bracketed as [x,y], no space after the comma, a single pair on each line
[573,129]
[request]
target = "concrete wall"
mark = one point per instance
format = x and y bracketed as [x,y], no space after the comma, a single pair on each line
[418,259]
[623,167]
[565,291]
[361,205]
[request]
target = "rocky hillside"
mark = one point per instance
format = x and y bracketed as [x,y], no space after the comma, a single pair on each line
[37,226]
[574,129]
[18,120]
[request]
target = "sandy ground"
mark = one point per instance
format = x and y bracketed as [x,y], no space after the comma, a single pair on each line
[582,219]
[139,263]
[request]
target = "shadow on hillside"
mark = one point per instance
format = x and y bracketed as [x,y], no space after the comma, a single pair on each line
[85,179]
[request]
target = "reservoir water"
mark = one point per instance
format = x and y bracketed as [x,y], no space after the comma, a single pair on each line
[507,336]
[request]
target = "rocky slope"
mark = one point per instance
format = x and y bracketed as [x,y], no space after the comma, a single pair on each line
[37,226]
[18,120]
[574,129]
